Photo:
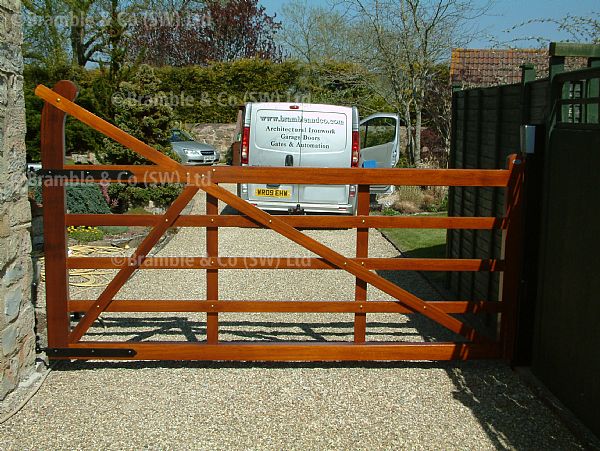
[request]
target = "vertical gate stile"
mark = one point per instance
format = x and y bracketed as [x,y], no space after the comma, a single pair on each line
[362,251]
[55,233]
[510,279]
[212,275]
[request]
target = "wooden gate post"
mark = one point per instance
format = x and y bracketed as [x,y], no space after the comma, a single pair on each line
[512,254]
[55,233]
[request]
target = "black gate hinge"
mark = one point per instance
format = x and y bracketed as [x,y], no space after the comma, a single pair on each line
[89,352]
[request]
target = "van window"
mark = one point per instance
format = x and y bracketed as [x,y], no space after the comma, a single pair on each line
[377,131]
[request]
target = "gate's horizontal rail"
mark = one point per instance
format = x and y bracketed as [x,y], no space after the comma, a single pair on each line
[313,222]
[178,262]
[332,351]
[193,175]
[195,306]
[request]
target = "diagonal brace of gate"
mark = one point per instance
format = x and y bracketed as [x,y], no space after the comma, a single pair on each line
[135,261]
[404,297]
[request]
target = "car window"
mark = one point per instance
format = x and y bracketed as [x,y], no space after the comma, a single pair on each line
[180,135]
[377,131]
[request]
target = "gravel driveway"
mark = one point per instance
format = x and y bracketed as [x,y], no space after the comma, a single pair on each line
[415,405]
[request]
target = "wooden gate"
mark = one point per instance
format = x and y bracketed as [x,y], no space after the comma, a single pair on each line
[65,341]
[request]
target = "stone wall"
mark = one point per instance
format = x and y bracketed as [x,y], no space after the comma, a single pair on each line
[17,337]
[218,135]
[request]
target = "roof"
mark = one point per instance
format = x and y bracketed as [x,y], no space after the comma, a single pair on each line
[487,67]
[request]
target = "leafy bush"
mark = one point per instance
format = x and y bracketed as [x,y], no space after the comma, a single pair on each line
[84,198]
[78,137]
[388,211]
[214,93]
[415,199]
[140,110]
[405,206]
[132,196]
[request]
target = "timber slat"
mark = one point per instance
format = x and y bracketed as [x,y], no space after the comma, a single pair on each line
[404,264]
[332,351]
[195,306]
[362,251]
[197,176]
[313,222]
[212,275]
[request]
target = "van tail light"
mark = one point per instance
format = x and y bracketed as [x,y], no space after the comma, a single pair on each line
[245,145]
[355,149]
[352,190]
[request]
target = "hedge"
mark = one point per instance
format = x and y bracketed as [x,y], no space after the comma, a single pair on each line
[208,94]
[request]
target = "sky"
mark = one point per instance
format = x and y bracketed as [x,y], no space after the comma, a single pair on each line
[503,15]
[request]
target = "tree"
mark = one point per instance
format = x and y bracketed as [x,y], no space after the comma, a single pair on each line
[79,32]
[141,111]
[341,83]
[45,37]
[403,41]
[578,29]
[437,109]
[218,31]
[316,34]
[57,31]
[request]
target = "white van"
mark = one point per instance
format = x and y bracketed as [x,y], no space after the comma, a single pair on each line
[300,135]
[304,135]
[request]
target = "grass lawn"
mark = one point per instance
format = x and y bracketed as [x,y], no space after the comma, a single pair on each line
[421,243]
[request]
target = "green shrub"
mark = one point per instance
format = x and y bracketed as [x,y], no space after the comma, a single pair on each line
[213,93]
[196,94]
[132,196]
[82,198]
[389,211]
[443,205]
[86,198]
[141,111]
[85,234]
[79,138]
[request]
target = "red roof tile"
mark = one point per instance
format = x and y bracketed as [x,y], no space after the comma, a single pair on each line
[487,67]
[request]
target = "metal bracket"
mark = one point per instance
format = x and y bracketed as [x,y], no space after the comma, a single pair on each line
[89,352]
[85,175]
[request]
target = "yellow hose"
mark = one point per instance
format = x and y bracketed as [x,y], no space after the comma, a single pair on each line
[86,279]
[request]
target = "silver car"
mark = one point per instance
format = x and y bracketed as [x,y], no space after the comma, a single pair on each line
[192,152]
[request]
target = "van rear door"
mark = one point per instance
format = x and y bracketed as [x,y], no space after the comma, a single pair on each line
[380,142]
[275,134]
[326,142]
